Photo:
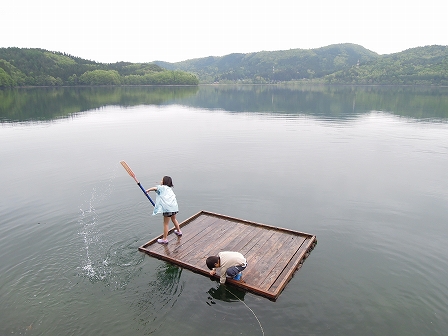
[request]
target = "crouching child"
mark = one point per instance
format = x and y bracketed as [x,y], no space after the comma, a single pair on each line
[231,265]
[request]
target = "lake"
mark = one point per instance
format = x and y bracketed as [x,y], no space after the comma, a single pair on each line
[362,168]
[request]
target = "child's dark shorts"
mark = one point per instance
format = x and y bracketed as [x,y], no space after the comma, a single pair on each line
[234,270]
[169,214]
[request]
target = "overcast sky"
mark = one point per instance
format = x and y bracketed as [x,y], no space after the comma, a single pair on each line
[177,30]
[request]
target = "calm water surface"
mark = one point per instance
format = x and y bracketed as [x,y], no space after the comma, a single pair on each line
[364,169]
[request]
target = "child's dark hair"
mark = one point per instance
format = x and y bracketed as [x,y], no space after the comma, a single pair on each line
[167,181]
[211,261]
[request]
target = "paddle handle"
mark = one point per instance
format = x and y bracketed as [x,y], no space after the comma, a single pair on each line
[144,191]
[131,173]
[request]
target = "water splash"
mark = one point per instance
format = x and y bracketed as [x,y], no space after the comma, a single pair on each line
[103,260]
[88,220]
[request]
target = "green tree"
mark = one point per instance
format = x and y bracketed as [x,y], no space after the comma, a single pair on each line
[100,77]
[73,80]
[5,79]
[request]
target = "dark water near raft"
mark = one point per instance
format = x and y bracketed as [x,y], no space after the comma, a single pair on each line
[364,169]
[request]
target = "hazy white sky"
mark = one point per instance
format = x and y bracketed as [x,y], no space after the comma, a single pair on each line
[177,30]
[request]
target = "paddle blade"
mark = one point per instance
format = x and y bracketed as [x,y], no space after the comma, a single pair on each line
[128,169]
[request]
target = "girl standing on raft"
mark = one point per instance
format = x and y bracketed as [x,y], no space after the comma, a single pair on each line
[166,203]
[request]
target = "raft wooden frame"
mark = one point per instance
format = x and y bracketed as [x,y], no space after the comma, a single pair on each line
[273,254]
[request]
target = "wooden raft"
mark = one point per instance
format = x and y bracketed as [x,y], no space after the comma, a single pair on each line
[273,254]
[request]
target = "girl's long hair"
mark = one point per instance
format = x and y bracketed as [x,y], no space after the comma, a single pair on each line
[167,181]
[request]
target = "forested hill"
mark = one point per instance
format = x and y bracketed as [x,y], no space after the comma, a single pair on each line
[39,67]
[340,64]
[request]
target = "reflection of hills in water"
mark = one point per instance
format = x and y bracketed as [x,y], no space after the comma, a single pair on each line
[332,102]
[18,105]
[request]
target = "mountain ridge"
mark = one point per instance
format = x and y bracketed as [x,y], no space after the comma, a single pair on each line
[344,63]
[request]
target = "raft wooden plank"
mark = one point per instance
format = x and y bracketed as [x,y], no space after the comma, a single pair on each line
[255,243]
[198,240]
[233,243]
[273,254]
[243,242]
[282,260]
[265,261]
[288,271]
[196,233]
[208,246]
[225,244]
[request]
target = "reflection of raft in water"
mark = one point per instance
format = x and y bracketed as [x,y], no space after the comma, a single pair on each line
[273,254]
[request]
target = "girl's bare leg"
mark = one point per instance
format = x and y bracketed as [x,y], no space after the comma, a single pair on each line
[166,221]
[175,222]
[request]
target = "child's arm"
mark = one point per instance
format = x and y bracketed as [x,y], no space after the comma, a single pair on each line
[151,189]
[222,278]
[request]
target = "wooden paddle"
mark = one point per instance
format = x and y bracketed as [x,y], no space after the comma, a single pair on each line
[131,173]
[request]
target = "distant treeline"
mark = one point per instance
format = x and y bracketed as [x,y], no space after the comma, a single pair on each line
[334,64]
[38,67]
